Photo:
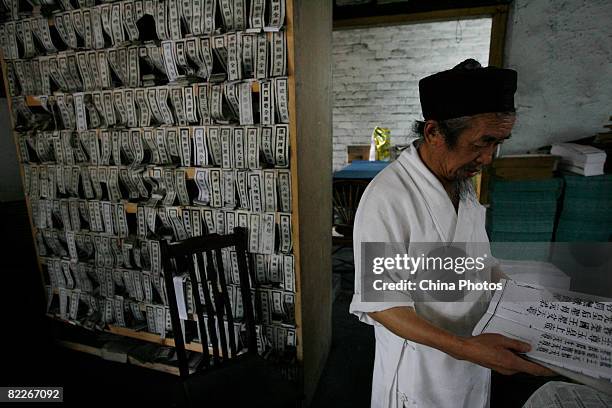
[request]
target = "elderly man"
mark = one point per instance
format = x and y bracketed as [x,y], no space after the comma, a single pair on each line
[425,354]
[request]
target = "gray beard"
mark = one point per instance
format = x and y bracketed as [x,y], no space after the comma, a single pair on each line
[464,189]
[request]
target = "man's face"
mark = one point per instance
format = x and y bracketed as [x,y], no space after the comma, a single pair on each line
[474,147]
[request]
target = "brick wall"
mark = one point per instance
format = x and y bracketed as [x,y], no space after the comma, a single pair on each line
[376,72]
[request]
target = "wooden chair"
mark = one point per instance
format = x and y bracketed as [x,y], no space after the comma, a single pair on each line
[228,376]
[346,194]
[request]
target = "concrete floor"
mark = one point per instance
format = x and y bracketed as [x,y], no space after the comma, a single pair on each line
[347,378]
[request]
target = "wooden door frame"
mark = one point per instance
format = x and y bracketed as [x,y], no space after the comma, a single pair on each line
[499,20]
[498,14]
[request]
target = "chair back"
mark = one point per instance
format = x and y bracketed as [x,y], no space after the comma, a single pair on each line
[345,198]
[201,259]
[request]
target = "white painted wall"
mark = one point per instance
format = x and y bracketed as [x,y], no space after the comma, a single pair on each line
[10,181]
[562,51]
[376,73]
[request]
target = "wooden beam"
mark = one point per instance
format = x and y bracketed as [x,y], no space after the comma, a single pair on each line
[309,42]
[295,224]
[498,36]
[410,18]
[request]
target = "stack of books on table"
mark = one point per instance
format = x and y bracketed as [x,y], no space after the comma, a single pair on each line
[580,159]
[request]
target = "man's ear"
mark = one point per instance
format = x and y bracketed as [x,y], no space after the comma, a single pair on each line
[432,133]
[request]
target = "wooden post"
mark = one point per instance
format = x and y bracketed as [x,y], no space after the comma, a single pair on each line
[498,36]
[309,41]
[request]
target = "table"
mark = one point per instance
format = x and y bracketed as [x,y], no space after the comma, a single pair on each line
[361,169]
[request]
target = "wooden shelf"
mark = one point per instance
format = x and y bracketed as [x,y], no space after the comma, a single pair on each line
[308,39]
[151,338]
[83,348]
[34,100]
[95,351]
[164,368]
[142,335]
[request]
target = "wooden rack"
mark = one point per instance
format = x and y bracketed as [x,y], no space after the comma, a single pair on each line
[309,38]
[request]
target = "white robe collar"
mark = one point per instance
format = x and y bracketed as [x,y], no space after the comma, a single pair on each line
[450,225]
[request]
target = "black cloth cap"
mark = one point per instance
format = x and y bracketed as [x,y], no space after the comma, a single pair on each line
[467,89]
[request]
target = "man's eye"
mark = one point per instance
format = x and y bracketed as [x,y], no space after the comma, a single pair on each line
[488,144]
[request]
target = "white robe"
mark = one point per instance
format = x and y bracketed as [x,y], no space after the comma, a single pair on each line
[407,203]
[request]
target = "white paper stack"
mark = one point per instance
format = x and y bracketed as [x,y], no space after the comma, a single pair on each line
[580,159]
[540,273]
[568,331]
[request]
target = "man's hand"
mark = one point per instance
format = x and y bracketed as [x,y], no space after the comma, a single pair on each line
[498,353]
